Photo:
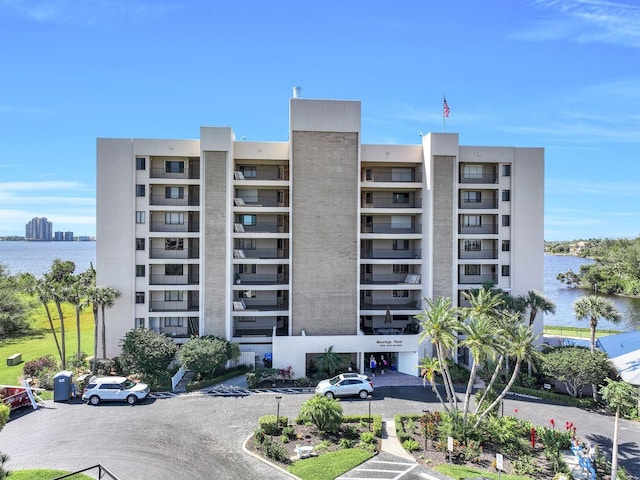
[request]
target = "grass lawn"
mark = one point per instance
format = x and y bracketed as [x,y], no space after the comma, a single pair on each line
[577,332]
[329,465]
[44,475]
[460,471]
[39,341]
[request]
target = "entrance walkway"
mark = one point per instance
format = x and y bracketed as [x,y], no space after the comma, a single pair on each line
[392,378]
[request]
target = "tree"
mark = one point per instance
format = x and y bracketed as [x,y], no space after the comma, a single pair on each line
[439,322]
[76,295]
[57,281]
[146,352]
[325,413]
[575,367]
[107,299]
[537,302]
[429,368]
[203,355]
[13,310]
[620,396]
[594,307]
[40,289]
[330,361]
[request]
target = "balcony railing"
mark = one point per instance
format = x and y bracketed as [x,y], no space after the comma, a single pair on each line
[393,304]
[260,253]
[248,304]
[389,203]
[391,228]
[388,176]
[382,253]
[391,279]
[174,254]
[485,253]
[263,172]
[260,279]
[262,227]
[181,306]
[477,279]
[479,178]
[261,200]
[479,229]
[489,203]
[186,201]
[175,227]
[161,279]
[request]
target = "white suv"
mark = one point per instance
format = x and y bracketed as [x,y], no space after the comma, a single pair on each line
[114,389]
[344,385]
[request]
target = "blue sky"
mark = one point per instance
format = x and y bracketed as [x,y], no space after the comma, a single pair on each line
[558,74]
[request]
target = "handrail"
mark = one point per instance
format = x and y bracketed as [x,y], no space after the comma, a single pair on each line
[101,472]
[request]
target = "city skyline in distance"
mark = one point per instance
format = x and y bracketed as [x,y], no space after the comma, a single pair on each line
[555,74]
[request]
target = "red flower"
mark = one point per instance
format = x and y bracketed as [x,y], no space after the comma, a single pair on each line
[553,423]
[516,410]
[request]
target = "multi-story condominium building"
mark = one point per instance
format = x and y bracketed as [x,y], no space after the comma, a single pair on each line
[39,229]
[293,247]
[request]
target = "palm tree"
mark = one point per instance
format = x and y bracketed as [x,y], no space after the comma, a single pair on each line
[619,396]
[594,307]
[108,298]
[439,321]
[537,302]
[521,344]
[429,368]
[329,361]
[38,287]
[76,295]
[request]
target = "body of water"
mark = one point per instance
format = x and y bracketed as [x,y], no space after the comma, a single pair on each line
[37,258]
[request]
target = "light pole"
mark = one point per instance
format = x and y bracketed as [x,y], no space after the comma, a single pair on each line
[370,397]
[278,398]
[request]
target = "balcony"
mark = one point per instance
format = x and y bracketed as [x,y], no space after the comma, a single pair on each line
[249,327]
[264,198]
[484,203]
[491,228]
[482,254]
[261,279]
[179,306]
[388,227]
[185,253]
[478,173]
[394,174]
[388,253]
[174,196]
[260,172]
[262,226]
[258,305]
[394,304]
[260,253]
[185,327]
[386,201]
[186,168]
[477,279]
[185,227]
[390,279]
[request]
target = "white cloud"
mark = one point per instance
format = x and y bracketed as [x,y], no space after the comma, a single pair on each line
[587,21]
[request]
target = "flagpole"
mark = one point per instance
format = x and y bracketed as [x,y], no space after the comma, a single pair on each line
[444,103]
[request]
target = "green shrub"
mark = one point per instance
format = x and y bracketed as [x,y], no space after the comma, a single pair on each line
[325,413]
[289,431]
[410,445]
[302,382]
[525,465]
[367,437]
[252,380]
[345,443]
[269,424]
[274,451]
[32,368]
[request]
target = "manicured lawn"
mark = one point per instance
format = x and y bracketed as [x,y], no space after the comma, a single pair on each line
[329,465]
[460,471]
[44,475]
[576,332]
[40,341]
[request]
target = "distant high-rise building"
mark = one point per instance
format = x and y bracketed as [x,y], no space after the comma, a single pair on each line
[68,236]
[39,229]
[58,236]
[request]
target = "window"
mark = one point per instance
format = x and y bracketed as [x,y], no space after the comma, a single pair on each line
[246,268]
[173,296]
[247,243]
[172,322]
[174,218]
[247,319]
[248,171]
[140,243]
[140,217]
[506,195]
[141,163]
[472,171]
[173,166]
[173,269]
[472,197]
[401,244]
[506,220]
[140,270]
[173,192]
[472,269]
[505,270]
[248,220]
[401,269]
[402,197]
[174,244]
[472,245]
[401,294]
[506,170]
[140,191]
[472,220]
[368,198]
[139,323]
[506,245]
[139,297]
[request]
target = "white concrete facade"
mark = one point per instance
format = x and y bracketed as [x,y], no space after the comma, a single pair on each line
[293,247]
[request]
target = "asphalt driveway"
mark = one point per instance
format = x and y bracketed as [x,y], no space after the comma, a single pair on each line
[195,436]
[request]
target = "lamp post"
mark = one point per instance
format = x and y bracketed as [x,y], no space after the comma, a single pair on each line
[369,397]
[278,398]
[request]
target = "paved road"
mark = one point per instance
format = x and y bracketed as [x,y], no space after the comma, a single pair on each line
[200,436]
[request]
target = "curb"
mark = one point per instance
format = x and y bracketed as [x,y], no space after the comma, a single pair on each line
[264,460]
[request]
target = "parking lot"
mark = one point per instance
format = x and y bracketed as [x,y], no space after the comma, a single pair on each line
[197,436]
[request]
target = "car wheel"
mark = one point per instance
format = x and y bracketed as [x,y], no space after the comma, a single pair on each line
[132,399]
[94,400]
[364,394]
[329,395]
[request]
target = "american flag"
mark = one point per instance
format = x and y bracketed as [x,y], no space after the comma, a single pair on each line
[446,108]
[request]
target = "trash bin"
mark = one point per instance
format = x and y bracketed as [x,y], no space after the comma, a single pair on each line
[62,387]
